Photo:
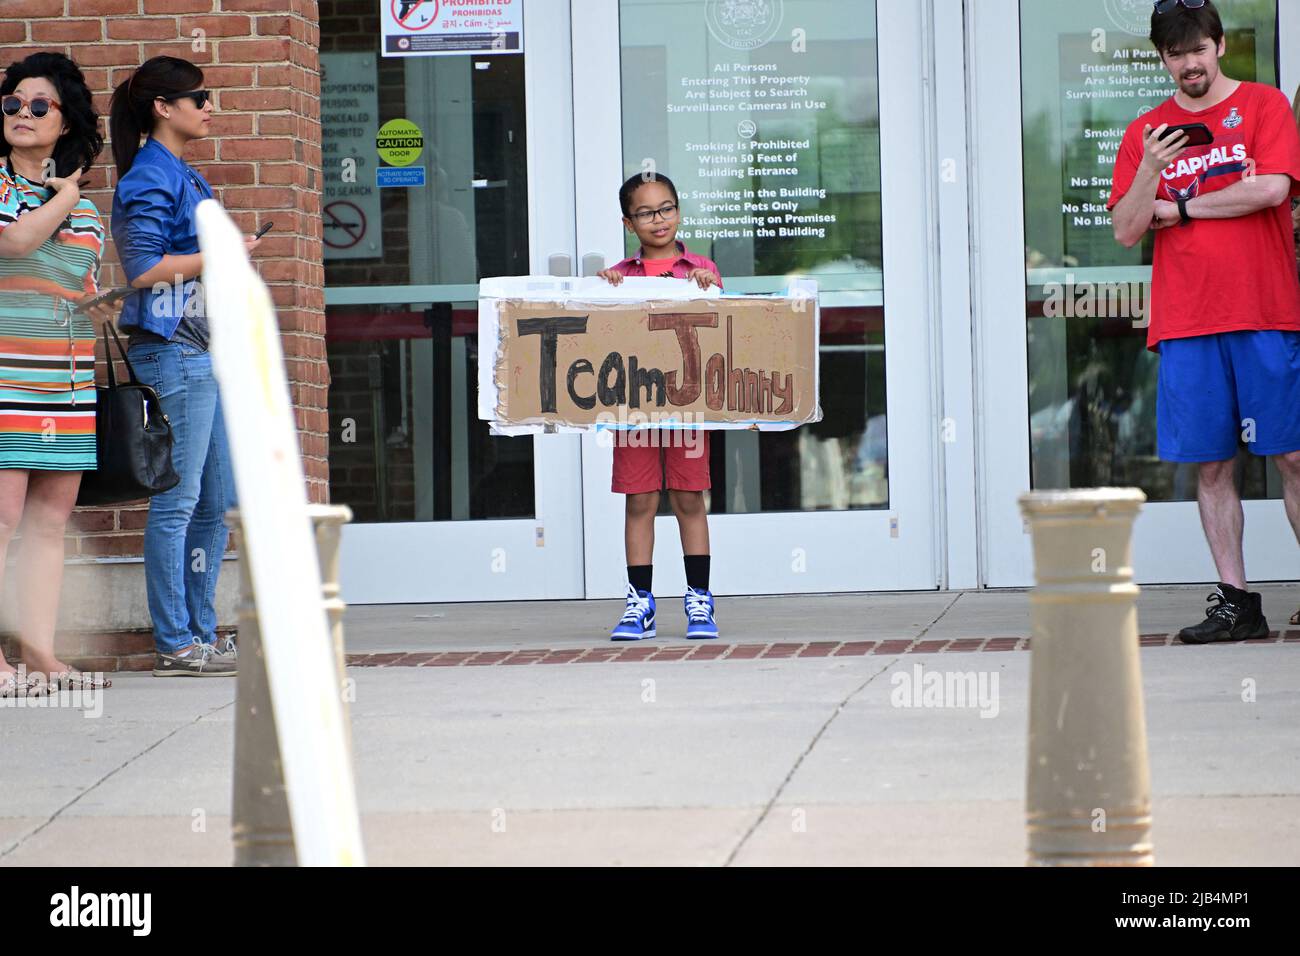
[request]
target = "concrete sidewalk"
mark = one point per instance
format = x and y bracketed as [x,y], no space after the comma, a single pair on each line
[929,615]
[696,762]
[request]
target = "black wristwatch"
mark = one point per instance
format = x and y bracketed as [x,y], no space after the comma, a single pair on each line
[1182,212]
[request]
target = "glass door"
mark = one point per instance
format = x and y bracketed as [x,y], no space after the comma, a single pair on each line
[1066,385]
[443,511]
[768,117]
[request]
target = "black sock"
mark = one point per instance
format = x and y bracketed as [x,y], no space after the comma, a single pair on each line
[640,576]
[697,571]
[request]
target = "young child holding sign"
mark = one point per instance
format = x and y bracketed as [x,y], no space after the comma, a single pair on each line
[643,468]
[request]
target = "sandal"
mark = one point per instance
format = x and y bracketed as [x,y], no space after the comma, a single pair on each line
[79,680]
[9,685]
[38,686]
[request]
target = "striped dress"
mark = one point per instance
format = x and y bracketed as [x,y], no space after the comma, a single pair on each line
[47,354]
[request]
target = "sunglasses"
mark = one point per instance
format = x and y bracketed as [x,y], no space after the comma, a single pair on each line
[200,97]
[1164,6]
[38,106]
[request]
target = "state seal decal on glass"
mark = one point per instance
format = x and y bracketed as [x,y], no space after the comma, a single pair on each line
[744,24]
[1131,16]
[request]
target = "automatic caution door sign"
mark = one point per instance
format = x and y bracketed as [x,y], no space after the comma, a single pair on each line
[450,27]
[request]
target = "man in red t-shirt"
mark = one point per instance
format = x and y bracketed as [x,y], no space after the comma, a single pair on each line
[1225,309]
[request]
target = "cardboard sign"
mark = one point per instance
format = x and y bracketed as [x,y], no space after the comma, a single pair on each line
[633,357]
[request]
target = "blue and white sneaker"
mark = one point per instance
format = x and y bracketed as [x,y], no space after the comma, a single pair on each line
[638,622]
[699,615]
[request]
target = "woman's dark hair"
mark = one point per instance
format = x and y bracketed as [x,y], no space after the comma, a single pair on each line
[1181,29]
[130,114]
[76,150]
[630,187]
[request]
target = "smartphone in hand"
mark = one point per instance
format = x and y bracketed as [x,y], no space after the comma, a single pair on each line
[111,297]
[1198,134]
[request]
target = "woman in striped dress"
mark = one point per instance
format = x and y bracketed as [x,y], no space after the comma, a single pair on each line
[51,241]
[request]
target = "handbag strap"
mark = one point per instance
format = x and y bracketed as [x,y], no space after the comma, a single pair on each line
[121,350]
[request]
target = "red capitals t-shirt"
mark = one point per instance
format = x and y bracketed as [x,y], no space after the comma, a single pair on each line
[1222,275]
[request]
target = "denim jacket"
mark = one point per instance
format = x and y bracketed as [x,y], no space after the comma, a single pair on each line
[153,216]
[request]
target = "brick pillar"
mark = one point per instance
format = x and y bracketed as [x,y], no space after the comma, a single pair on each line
[262,158]
[260,58]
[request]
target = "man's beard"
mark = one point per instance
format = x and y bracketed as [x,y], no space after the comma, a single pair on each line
[1195,88]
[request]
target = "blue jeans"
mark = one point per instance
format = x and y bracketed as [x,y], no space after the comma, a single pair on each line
[185,537]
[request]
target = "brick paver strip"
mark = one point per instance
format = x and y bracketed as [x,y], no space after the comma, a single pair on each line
[926,647]
[854,649]
[822,649]
[781,651]
[524,657]
[711,651]
[416,660]
[600,655]
[451,659]
[561,657]
[891,647]
[487,657]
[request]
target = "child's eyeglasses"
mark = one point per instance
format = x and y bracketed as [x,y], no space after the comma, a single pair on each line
[38,106]
[664,212]
[200,97]
[1164,6]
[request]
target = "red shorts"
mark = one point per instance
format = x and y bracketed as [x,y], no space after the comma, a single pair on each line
[641,465]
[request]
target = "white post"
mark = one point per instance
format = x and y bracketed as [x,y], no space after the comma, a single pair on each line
[279,548]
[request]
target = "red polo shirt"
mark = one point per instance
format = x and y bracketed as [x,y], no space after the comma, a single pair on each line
[678,268]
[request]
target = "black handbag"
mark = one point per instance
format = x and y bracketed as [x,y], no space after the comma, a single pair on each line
[133,439]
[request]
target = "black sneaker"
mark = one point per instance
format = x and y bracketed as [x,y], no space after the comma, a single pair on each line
[201,660]
[1236,615]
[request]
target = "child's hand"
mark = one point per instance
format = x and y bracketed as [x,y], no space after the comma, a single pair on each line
[704,278]
[612,276]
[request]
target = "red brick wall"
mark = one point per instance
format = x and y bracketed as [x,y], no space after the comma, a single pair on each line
[262,158]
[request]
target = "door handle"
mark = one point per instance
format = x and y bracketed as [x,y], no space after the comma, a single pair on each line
[592,263]
[560,264]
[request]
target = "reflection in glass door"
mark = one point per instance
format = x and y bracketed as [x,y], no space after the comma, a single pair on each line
[768,119]
[443,511]
[1069,383]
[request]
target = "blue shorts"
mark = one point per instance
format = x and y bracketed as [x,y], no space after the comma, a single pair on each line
[1218,390]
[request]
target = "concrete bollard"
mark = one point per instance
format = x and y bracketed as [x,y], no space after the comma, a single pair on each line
[260,825]
[328,521]
[1088,790]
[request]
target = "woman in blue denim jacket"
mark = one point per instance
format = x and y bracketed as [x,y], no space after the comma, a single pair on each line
[165,103]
